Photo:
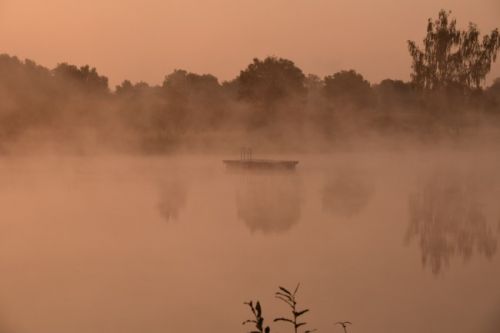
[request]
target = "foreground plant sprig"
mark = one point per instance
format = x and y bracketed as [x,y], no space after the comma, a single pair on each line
[259,319]
[290,299]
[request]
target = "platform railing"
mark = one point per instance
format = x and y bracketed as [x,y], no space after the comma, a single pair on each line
[246,154]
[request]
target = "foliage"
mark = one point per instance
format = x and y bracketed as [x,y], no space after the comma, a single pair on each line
[271,80]
[127,88]
[258,320]
[348,88]
[492,95]
[291,300]
[191,102]
[270,103]
[84,79]
[182,81]
[451,57]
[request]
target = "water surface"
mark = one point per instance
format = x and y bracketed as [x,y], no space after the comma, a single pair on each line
[401,242]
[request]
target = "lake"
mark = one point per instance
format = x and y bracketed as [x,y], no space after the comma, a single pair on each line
[391,241]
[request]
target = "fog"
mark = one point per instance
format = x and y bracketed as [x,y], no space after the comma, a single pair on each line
[117,243]
[119,215]
[272,106]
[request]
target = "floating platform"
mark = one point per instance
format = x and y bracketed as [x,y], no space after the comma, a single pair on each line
[259,164]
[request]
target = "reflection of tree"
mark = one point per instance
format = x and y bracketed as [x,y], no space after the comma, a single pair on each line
[173,197]
[446,217]
[269,202]
[346,195]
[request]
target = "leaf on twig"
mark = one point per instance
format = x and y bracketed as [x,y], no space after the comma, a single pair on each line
[285,290]
[284,295]
[284,319]
[285,300]
[258,308]
[260,322]
[300,313]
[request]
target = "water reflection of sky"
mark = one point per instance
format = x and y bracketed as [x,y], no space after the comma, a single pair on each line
[94,253]
[346,192]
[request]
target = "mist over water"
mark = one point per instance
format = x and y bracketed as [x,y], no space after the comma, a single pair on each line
[269,202]
[117,212]
[390,241]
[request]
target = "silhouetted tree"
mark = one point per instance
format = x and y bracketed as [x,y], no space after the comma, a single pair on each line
[141,108]
[451,57]
[193,99]
[124,88]
[28,96]
[492,95]
[271,101]
[396,94]
[394,87]
[313,83]
[348,89]
[275,90]
[187,83]
[399,107]
[84,79]
[270,80]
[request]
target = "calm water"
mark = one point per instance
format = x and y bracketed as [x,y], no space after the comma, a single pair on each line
[392,242]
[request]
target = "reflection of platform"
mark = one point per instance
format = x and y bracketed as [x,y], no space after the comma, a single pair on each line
[258,164]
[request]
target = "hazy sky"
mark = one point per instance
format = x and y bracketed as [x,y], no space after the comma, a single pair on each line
[146,39]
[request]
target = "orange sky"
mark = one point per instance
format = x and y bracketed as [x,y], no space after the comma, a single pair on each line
[144,40]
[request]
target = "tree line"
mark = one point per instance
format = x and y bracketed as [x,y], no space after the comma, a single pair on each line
[270,101]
